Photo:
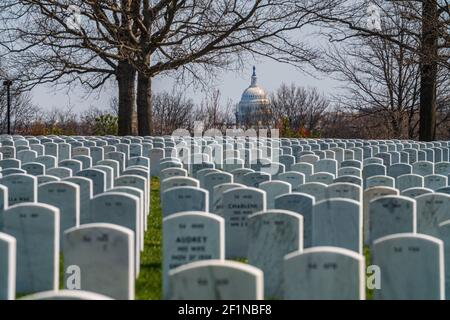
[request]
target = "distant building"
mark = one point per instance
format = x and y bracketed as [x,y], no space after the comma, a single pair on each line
[254,108]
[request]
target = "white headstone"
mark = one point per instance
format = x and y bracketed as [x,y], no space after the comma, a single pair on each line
[324,273]
[216,280]
[36,229]
[104,254]
[191,236]
[412,267]
[271,235]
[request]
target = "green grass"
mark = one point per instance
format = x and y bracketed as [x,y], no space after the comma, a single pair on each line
[149,283]
[369,292]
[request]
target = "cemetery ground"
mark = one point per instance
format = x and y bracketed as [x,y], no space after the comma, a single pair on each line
[295,227]
[148,285]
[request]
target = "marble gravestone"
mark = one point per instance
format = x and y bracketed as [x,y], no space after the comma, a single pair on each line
[399,169]
[271,235]
[390,215]
[189,237]
[435,182]
[415,192]
[66,295]
[173,172]
[3,201]
[368,195]
[35,227]
[178,182]
[7,267]
[295,179]
[179,199]
[85,186]
[253,179]
[105,255]
[141,216]
[302,204]
[238,174]
[320,177]
[412,267]
[216,280]
[371,170]
[155,156]
[408,181]
[202,173]
[337,223]
[326,165]
[324,273]
[66,197]
[315,189]
[238,204]
[21,188]
[344,190]
[444,235]
[210,180]
[109,172]
[136,182]
[48,161]
[121,209]
[349,171]
[274,189]
[217,205]
[380,181]
[74,165]
[432,209]
[349,179]
[10,171]
[306,168]
[34,168]
[45,179]
[423,168]
[98,178]
[59,172]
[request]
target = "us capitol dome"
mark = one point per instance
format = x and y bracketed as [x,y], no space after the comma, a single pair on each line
[253,109]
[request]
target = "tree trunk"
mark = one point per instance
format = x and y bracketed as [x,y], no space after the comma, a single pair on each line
[144,105]
[126,77]
[428,71]
[396,127]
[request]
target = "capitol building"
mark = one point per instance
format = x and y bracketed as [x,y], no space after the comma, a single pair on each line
[253,110]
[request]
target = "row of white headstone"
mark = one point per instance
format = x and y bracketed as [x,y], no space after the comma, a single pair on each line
[318,199]
[85,199]
[301,222]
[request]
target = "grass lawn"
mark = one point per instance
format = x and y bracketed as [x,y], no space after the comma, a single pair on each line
[149,283]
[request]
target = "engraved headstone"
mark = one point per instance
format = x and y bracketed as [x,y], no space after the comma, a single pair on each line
[412,267]
[216,280]
[105,255]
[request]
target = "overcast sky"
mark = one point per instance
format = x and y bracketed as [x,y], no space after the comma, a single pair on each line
[231,84]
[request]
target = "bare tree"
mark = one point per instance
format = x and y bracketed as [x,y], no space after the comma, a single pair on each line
[303,108]
[379,78]
[430,27]
[383,78]
[213,113]
[23,111]
[171,111]
[120,38]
